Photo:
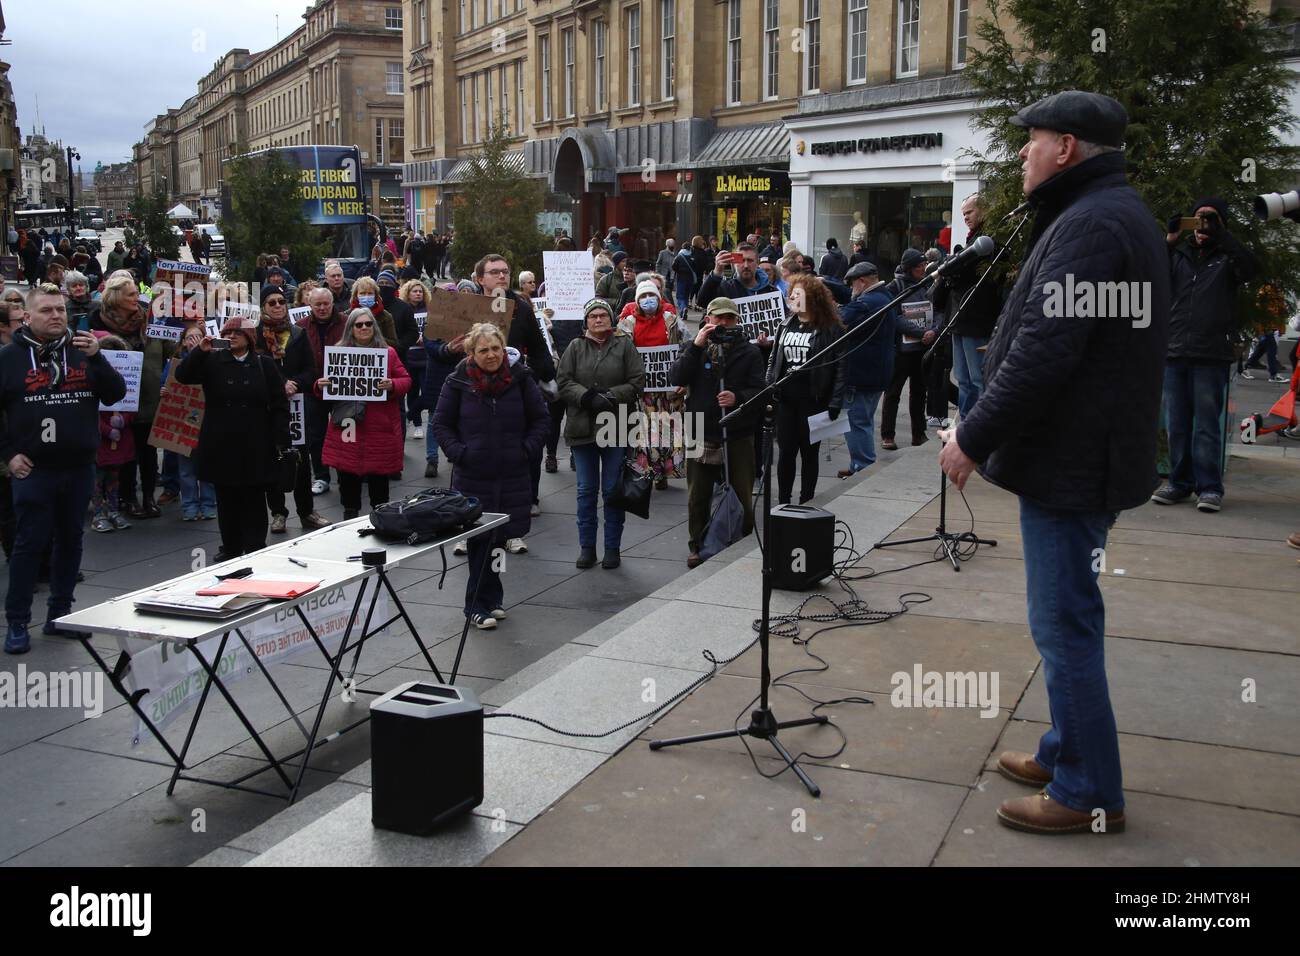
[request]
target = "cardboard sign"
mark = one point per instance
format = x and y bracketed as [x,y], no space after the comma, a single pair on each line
[299,312]
[129,365]
[179,417]
[420,319]
[297,420]
[761,313]
[569,283]
[658,361]
[354,374]
[186,290]
[452,314]
[248,314]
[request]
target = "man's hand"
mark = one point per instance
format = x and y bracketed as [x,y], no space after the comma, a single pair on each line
[291,387]
[385,384]
[928,337]
[322,383]
[953,461]
[719,263]
[702,336]
[86,342]
[726,399]
[20,466]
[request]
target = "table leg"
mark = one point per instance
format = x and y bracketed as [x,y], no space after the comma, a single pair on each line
[401,609]
[198,710]
[274,686]
[133,700]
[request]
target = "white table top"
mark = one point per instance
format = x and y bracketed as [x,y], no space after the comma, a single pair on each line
[325,552]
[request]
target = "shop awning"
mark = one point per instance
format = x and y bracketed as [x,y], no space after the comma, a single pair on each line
[460,172]
[738,146]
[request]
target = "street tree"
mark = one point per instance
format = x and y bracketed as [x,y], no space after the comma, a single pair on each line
[154,228]
[265,214]
[496,211]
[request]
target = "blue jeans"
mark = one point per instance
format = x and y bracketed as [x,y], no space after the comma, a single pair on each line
[1194,399]
[968,367]
[860,406]
[1067,619]
[430,443]
[483,575]
[171,476]
[50,513]
[683,302]
[598,468]
[197,497]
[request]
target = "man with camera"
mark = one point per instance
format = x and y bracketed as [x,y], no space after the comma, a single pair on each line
[1205,270]
[721,369]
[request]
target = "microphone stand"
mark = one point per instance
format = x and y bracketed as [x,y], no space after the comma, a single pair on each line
[949,541]
[763,724]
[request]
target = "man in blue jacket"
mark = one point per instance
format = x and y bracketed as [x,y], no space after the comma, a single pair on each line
[1067,421]
[52,382]
[868,362]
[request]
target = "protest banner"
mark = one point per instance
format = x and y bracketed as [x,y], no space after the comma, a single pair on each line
[129,365]
[248,313]
[299,312]
[187,285]
[453,313]
[355,374]
[420,319]
[761,313]
[569,283]
[297,420]
[658,361]
[179,417]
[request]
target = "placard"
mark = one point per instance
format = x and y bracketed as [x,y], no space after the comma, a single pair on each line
[212,328]
[248,314]
[165,327]
[129,365]
[658,361]
[420,319]
[297,420]
[179,417]
[761,313]
[569,283]
[452,314]
[922,312]
[186,292]
[299,312]
[354,374]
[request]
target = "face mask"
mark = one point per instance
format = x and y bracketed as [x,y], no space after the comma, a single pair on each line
[365,301]
[649,304]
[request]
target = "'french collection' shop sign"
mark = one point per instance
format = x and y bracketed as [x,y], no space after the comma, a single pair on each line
[877,144]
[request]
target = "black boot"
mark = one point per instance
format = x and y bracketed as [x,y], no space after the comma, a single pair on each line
[350,513]
[586,558]
[611,559]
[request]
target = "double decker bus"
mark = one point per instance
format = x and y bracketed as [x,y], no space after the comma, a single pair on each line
[87,215]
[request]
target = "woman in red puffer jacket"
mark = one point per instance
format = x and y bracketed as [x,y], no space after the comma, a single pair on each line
[373,451]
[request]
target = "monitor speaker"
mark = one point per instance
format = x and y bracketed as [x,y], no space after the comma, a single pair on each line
[802,543]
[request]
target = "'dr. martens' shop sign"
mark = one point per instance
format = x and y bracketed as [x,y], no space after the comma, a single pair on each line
[742,184]
[878,144]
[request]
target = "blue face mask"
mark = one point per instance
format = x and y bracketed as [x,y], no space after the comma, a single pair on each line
[649,303]
[365,301]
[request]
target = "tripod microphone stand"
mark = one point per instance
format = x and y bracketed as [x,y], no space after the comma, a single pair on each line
[949,541]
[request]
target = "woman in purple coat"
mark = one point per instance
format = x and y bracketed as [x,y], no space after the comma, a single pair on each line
[491,421]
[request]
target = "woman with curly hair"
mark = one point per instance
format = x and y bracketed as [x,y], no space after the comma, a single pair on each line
[415,293]
[814,324]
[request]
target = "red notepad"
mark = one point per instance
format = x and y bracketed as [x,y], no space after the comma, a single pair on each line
[271,589]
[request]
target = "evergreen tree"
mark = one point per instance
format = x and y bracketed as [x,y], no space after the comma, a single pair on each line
[150,210]
[1206,91]
[265,214]
[496,212]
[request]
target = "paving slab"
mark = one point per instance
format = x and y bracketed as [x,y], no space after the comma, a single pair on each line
[225,856]
[703,807]
[346,837]
[534,673]
[679,635]
[610,591]
[1160,831]
[289,820]
[528,634]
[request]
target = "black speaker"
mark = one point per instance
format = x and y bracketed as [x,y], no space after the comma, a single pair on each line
[426,756]
[802,543]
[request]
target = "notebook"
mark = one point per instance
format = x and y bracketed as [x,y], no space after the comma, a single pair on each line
[266,588]
[216,606]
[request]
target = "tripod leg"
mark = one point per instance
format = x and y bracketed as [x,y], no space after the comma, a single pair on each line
[815,790]
[694,739]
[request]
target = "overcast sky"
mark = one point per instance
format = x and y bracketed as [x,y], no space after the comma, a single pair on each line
[103,70]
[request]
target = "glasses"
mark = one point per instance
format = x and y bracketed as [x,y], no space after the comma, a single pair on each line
[274,302]
[363,325]
[497,272]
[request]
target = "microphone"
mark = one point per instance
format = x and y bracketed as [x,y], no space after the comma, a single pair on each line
[1023,207]
[981,248]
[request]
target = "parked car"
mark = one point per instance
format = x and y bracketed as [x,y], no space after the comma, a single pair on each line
[97,224]
[90,239]
[216,241]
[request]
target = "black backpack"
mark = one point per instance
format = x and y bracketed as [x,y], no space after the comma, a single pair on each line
[431,514]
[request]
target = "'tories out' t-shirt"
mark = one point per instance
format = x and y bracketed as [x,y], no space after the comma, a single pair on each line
[796,346]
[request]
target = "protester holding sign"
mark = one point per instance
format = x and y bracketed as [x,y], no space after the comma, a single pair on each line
[323,328]
[364,440]
[415,294]
[912,339]
[122,313]
[245,425]
[286,344]
[198,498]
[654,326]
[116,448]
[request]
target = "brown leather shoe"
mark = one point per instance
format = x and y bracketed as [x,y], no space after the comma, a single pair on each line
[1041,814]
[693,560]
[1023,768]
[889,444]
[1294,540]
[845,473]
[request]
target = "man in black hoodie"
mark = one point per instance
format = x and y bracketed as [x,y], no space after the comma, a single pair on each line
[834,264]
[52,382]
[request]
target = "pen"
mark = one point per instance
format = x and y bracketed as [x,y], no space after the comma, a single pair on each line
[354,557]
[301,564]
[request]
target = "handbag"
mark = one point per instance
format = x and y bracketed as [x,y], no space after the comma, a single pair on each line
[342,411]
[632,491]
[286,470]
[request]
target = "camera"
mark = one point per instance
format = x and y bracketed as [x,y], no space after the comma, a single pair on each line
[1272,206]
[725,334]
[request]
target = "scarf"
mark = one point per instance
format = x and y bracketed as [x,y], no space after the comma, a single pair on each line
[275,337]
[489,384]
[45,354]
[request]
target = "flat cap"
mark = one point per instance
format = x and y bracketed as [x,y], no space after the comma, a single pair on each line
[861,269]
[1089,116]
[722,306]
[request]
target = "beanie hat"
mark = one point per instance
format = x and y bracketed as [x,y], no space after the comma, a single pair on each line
[388,275]
[912,258]
[647,288]
[269,290]
[1215,203]
[236,324]
[594,304]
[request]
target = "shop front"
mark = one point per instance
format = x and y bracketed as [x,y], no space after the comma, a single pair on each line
[649,209]
[892,178]
[738,202]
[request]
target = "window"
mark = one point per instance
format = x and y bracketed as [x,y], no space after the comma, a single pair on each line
[519,96]
[478,107]
[909,36]
[422,20]
[505,99]
[379,142]
[566,46]
[733,52]
[463,83]
[464,20]
[668,48]
[634,56]
[601,42]
[396,140]
[857,55]
[812,49]
[960,29]
[393,78]
[771,48]
[488,89]
[545,53]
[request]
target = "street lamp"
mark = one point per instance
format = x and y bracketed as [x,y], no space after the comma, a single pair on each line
[72,205]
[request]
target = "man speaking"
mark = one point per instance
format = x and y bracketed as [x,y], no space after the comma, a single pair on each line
[1067,421]
[51,384]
